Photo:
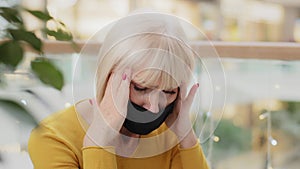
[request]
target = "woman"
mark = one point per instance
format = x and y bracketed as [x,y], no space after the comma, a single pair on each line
[139,117]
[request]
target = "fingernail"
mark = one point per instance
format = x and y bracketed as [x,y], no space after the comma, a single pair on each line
[91,102]
[197,84]
[124,76]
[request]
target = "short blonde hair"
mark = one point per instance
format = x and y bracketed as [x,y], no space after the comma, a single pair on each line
[146,42]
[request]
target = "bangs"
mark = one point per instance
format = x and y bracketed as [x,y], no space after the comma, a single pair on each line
[165,63]
[154,78]
[160,69]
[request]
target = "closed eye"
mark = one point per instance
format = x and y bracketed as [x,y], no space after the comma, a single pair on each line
[144,89]
[137,88]
[169,92]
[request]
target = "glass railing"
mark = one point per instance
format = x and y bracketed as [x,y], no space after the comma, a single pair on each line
[261,122]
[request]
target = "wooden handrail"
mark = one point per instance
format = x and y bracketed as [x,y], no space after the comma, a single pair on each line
[255,50]
[242,50]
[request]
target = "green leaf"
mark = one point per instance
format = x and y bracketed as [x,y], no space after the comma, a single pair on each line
[59,34]
[44,16]
[11,15]
[11,53]
[47,73]
[29,37]
[61,23]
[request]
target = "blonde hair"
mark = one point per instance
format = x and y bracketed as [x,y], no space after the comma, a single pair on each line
[150,43]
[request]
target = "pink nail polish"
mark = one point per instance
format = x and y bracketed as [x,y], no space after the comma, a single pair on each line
[124,76]
[197,84]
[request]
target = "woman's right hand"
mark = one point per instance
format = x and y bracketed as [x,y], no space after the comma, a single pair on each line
[109,116]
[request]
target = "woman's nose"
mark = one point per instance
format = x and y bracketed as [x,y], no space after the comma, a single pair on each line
[154,101]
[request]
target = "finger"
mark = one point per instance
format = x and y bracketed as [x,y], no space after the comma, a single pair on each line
[183,89]
[126,75]
[125,83]
[110,103]
[108,85]
[123,90]
[178,102]
[113,85]
[117,79]
[120,90]
[192,94]
[121,80]
[181,96]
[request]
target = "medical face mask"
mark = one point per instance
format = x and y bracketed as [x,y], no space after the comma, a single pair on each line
[141,121]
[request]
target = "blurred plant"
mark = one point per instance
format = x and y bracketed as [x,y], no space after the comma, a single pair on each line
[288,119]
[17,36]
[233,139]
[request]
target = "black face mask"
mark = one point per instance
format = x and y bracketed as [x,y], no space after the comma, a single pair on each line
[141,121]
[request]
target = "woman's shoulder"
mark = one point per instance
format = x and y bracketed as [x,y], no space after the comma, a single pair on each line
[60,118]
[63,124]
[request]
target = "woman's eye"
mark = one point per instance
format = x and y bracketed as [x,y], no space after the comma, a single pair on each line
[145,89]
[137,88]
[169,92]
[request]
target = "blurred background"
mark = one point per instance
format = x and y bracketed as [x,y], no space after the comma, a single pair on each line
[227,20]
[260,124]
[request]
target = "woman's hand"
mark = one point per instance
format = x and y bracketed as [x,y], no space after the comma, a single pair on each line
[109,116]
[179,121]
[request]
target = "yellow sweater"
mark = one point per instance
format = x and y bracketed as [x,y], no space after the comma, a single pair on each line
[57,143]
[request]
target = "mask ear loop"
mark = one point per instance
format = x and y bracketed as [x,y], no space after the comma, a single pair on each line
[175,102]
[178,94]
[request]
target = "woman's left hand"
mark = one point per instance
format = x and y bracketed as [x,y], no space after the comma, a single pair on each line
[179,121]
